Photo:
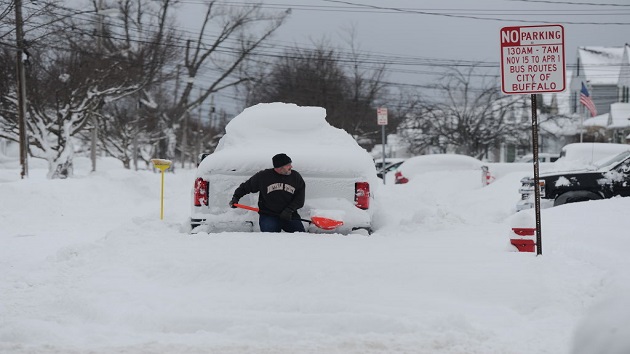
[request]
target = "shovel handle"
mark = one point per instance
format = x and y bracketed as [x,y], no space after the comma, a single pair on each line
[243,206]
[247,207]
[322,223]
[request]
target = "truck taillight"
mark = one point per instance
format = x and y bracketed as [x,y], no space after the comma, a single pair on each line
[400,179]
[201,192]
[362,195]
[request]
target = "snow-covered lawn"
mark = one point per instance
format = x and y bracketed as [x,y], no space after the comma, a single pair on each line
[87,266]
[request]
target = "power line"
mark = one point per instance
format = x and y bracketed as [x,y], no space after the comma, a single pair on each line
[352,7]
[571,3]
[269,52]
[431,13]
[366,58]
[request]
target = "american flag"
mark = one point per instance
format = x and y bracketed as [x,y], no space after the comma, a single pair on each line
[585,99]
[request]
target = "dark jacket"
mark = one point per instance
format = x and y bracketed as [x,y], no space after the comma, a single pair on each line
[276,191]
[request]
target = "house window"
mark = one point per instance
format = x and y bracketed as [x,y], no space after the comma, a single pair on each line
[624,94]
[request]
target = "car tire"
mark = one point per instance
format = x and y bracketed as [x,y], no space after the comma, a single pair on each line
[576,196]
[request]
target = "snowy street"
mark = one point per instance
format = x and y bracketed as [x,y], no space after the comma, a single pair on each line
[88,266]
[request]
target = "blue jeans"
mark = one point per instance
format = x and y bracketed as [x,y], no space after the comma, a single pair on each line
[269,223]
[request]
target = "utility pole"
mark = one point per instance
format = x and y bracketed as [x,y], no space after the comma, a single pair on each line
[184,149]
[21,83]
[212,110]
[94,119]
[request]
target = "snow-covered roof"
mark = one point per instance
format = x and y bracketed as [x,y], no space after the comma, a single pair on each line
[597,121]
[601,65]
[620,115]
[559,126]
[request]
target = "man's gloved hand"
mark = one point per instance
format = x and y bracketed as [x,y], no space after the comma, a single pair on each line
[286,214]
[232,202]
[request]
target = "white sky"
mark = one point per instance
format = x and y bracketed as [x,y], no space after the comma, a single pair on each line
[427,33]
[86,265]
[452,29]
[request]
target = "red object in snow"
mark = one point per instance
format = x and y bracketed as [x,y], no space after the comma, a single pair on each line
[524,239]
[400,179]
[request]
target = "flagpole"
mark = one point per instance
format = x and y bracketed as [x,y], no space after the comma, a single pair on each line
[585,99]
[582,124]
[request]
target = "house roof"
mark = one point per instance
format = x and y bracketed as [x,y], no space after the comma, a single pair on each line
[557,126]
[597,121]
[601,65]
[620,115]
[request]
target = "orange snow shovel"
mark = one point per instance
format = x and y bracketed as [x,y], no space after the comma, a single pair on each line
[319,221]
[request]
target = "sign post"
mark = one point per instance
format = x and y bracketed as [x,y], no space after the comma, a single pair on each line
[533,61]
[381,119]
[163,165]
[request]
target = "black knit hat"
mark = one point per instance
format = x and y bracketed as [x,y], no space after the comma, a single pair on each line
[281,160]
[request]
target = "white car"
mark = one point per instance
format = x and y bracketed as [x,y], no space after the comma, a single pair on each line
[437,162]
[543,157]
[340,175]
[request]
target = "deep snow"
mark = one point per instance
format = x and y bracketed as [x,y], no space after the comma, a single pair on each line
[87,266]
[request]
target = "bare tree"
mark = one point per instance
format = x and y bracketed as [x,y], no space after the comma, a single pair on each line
[163,119]
[367,89]
[324,77]
[32,10]
[6,23]
[308,77]
[468,115]
[129,128]
[228,37]
[75,72]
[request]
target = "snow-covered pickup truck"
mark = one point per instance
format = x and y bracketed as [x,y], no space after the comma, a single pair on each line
[340,175]
[606,179]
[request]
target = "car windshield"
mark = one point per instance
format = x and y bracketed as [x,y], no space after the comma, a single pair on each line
[612,161]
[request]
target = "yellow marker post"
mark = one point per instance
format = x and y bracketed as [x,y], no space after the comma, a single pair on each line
[162,165]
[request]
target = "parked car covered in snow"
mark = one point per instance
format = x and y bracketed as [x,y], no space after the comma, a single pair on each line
[340,175]
[416,165]
[608,178]
[579,155]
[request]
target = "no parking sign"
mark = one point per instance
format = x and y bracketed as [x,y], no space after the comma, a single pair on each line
[532,59]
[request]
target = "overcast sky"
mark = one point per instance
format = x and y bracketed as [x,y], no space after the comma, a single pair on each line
[415,36]
[446,29]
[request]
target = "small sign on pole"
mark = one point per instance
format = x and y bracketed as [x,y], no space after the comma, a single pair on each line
[381,119]
[381,116]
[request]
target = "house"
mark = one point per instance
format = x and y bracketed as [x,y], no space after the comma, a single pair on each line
[614,125]
[563,119]
[599,68]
